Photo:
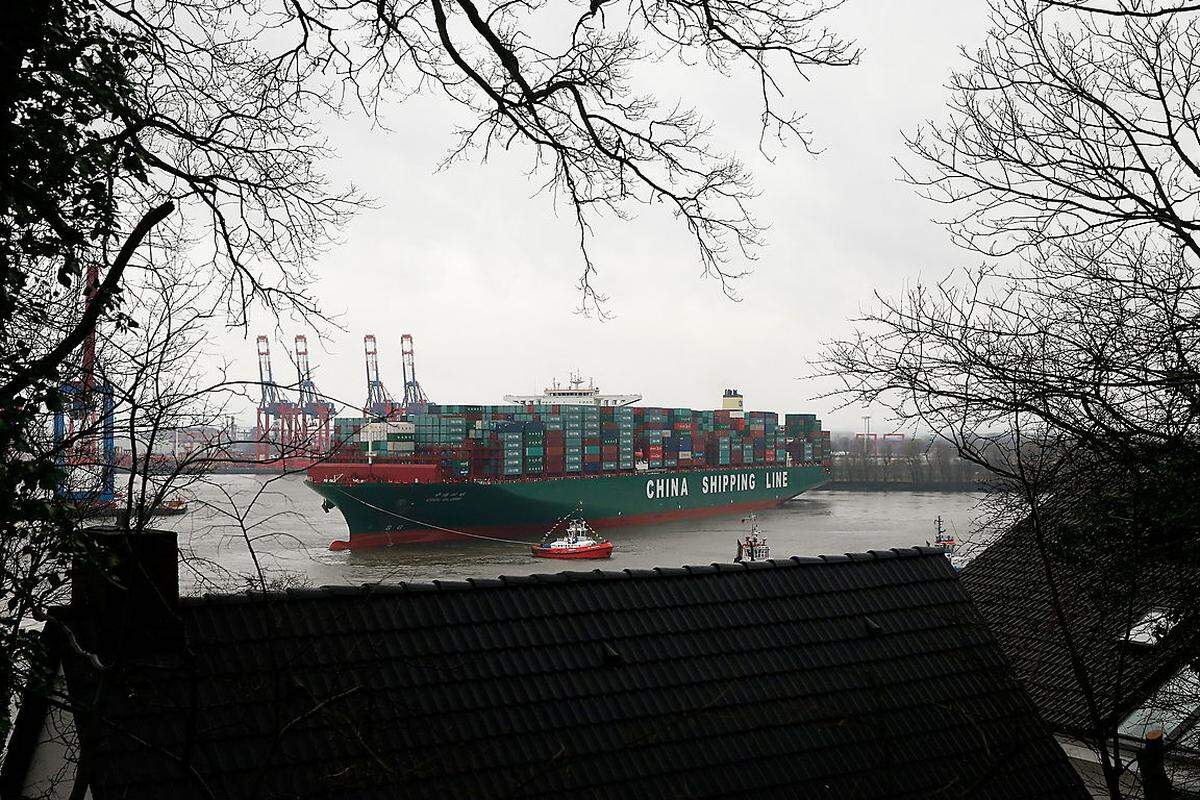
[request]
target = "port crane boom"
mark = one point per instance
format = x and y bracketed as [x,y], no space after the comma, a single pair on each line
[316,412]
[379,400]
[84,427]
[276,415]
[413,393]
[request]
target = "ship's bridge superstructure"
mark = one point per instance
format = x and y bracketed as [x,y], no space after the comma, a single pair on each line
[575,394]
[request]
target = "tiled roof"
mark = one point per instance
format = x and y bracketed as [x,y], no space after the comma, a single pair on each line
[1008,584]
[862,676]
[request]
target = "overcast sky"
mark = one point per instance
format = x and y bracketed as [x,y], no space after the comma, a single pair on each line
[481,271]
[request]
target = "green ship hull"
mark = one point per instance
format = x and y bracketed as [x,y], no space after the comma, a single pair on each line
[385,513]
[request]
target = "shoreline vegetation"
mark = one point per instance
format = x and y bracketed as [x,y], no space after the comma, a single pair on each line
[900,486]
[901,465]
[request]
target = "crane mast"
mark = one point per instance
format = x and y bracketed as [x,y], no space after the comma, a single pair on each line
[277,433]
[379,399]
[315,412]
[413,393]
[308,390]
[84,427]
[271,396]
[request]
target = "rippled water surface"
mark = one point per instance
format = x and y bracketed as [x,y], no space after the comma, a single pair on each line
[290,536]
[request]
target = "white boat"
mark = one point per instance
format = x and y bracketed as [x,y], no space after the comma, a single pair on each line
[946,542]
[753,546]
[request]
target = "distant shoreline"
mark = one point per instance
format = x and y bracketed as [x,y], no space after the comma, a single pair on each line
[899,486]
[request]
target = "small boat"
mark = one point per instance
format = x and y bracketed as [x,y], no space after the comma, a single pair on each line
[949,545]
[94,508]
[577,541]
[102,509]
[752,547]
[170,508]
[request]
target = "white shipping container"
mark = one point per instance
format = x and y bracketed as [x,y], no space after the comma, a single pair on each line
[379,429]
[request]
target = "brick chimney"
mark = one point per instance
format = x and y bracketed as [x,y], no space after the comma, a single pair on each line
[125,599]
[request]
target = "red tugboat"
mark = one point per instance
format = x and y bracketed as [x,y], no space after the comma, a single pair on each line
[578,541]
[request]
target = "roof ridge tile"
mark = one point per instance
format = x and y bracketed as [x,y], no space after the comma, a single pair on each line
[503,581]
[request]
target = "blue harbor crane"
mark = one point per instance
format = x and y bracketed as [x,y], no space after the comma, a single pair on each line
[85,417]
[316,412]
[380,404]
[414,395]
[83,425]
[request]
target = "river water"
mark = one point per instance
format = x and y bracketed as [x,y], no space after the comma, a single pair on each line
[244,525]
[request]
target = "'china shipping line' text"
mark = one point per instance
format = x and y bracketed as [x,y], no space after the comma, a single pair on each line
[657,488]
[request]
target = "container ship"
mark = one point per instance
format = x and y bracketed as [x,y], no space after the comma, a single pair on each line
[438,472]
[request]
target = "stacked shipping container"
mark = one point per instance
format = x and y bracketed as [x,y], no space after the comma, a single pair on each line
[379,437]
[511,442]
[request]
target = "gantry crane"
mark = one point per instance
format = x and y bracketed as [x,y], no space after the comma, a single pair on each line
[316,413]
[413,393]
[277,433]
[83,425]
[380,404]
